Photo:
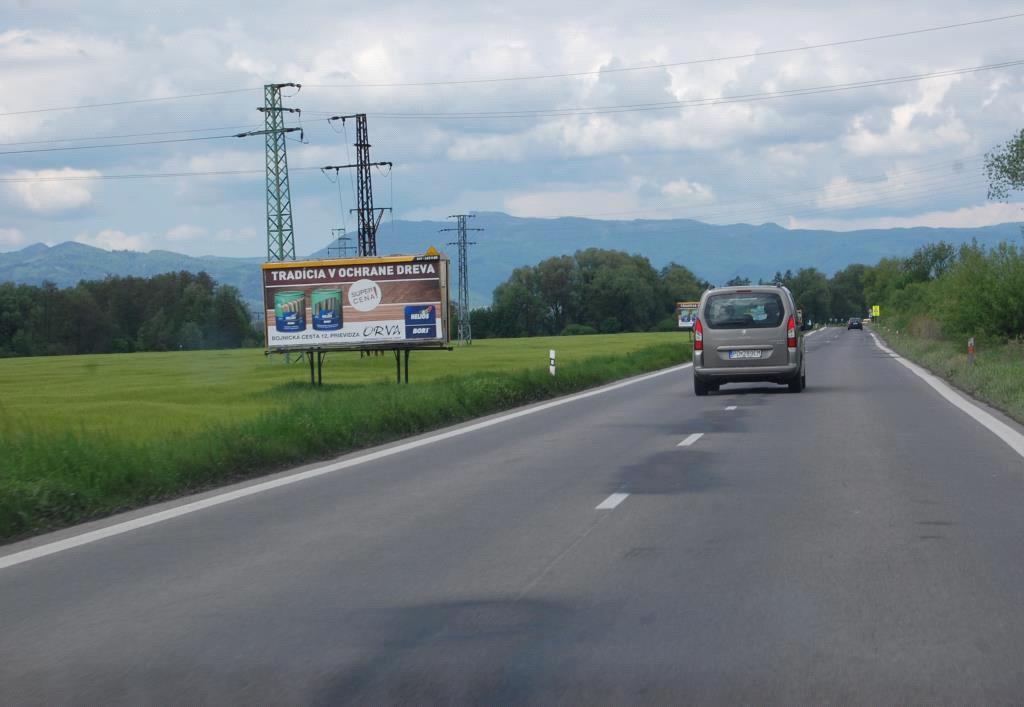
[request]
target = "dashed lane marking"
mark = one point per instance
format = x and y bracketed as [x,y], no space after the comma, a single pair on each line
[611,502]
[691,439]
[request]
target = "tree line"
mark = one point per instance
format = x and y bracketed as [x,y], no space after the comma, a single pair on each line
[948,289]
[592,291]
[122,314]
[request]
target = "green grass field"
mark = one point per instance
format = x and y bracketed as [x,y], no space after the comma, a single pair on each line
[152,395]
[84,436]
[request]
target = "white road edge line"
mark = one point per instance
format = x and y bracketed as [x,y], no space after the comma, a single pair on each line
[611,502]
[110,531]
[691,439]
[994,425]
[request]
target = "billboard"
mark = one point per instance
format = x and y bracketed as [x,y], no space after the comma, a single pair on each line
[394,302]
[687,314]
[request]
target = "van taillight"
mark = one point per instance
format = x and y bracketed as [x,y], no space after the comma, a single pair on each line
[791,332]
[698,336]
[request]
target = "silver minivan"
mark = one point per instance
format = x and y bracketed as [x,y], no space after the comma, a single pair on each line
[747,334]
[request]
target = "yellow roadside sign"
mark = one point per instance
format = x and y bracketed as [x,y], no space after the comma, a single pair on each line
[876,311]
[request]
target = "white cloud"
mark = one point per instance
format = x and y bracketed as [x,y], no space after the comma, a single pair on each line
[185,232]
[11,238]
[239,61]
[111,239]
[31,45]
[688,192]
[237,235]
[221,161]
[914,127]
[552,203]
[52,196]
[967,217]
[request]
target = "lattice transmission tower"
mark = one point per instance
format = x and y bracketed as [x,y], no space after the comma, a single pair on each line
[465,332]
[280,228]
[368,216]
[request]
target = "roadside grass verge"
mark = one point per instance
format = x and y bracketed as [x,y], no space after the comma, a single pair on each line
[148,396]
[51,478]
[997,376]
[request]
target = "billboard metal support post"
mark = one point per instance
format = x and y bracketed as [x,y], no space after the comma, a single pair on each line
[316,371]
[398,365]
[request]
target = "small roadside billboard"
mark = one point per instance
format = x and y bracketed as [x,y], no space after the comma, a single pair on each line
[686,313]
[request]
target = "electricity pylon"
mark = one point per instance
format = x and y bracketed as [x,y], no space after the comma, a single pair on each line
[465,330]
[280,228]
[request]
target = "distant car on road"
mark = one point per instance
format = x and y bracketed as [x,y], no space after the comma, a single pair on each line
[854,323]
[747,334]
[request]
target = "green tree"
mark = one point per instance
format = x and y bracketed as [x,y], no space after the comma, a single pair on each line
[229,325]
[557,283]
[848,298]
[518,308]
[680,285]
[1004,167]
[929,262]
[812,294]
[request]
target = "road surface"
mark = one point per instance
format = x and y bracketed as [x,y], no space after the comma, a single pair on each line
[860,542]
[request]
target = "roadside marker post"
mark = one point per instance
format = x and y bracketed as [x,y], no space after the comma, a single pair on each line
[970,351]
[551,362]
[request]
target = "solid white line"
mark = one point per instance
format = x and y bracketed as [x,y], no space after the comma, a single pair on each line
[611,502]
[994,425]
[730,407]
[691,439]
[92,536]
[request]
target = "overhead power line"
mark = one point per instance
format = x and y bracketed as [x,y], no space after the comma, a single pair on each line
[668,65]
[697,102]
[118,144]
[125,135]
[130,101]
[142,175]
[531,77]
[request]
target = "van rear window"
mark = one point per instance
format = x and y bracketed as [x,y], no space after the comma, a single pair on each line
[752,310]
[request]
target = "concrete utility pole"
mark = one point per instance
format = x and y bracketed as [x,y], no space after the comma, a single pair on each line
[280,230]
[465,331]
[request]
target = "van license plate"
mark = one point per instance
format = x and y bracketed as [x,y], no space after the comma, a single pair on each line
[745,353]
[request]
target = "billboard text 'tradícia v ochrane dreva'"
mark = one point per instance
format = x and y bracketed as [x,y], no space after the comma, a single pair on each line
[397,301]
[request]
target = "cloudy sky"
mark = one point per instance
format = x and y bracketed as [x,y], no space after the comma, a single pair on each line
[631,134]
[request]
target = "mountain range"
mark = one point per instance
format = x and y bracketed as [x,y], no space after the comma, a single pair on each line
[714,252]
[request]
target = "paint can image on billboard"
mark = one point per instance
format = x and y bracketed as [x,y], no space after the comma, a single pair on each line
[290,311]
[327,310]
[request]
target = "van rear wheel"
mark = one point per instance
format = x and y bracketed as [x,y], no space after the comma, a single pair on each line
[797,383]
[700,388]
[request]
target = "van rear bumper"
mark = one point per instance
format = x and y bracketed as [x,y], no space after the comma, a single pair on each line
[776,374]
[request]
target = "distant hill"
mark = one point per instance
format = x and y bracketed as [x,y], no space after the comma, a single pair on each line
[68,263]
[716,253]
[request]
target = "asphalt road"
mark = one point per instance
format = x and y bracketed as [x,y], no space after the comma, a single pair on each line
[860,542]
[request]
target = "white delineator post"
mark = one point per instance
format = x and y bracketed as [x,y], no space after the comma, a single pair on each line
[551,362]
